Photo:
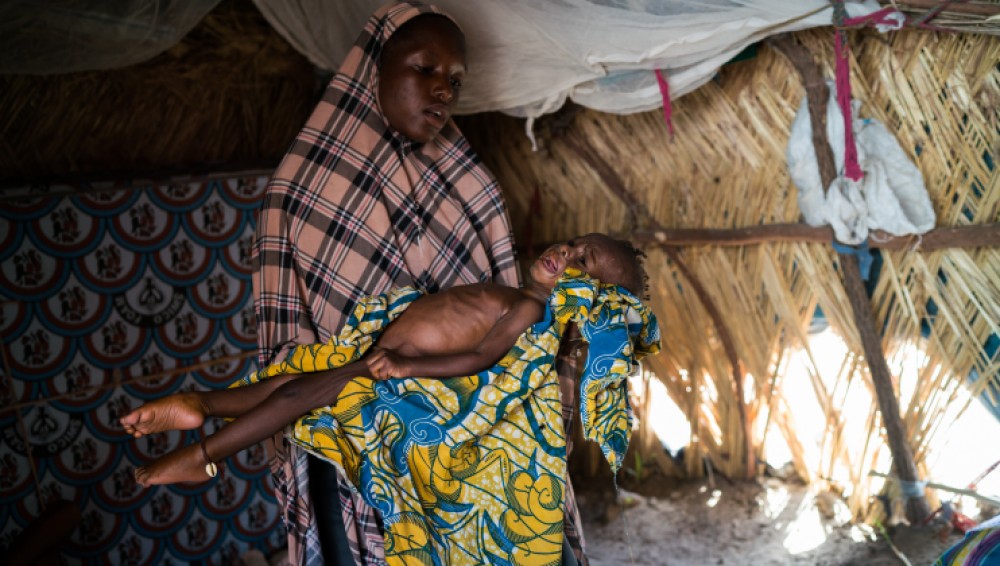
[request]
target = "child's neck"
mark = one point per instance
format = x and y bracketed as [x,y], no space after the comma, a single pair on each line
[536,291]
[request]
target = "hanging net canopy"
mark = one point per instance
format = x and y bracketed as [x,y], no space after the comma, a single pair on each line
[527,57]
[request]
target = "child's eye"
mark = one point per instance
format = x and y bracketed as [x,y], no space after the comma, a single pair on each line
[456,84]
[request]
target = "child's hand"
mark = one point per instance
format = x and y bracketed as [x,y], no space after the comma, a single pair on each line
[386,364]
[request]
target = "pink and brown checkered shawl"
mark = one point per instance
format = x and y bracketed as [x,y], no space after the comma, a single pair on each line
[353,209]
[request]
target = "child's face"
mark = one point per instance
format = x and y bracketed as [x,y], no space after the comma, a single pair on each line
[595,254]
[420,79]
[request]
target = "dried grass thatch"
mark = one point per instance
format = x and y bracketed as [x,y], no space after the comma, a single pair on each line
[233,93]
[940,94]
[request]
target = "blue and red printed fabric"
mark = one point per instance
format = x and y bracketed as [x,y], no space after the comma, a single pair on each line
[107,289]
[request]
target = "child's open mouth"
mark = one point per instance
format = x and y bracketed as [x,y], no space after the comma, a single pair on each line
[551,266]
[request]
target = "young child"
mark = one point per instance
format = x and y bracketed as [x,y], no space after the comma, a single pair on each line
[460,331]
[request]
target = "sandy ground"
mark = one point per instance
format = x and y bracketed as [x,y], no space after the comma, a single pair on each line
[764,522]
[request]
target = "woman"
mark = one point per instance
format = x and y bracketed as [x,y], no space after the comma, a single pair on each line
[380,189]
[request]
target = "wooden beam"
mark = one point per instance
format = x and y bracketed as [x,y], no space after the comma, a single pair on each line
[917,508]
[972,8]
[980,235]
[817,93]
[933,485]
[118,382]
[612,180]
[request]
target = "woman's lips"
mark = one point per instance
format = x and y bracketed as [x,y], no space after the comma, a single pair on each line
[437,115]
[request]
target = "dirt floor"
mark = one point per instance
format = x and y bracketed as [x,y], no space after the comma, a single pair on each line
[764,522]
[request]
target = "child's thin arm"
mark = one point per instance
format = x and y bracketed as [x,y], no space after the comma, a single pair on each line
[497,342]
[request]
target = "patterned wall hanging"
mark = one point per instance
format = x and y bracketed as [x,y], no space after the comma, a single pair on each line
[114,294]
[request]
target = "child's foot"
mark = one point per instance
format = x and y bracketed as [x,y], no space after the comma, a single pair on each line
[182,411]
[184,465]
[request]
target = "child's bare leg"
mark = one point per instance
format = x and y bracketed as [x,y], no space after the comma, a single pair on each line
[186,411]
[185,464]
[182,411]
[294,398]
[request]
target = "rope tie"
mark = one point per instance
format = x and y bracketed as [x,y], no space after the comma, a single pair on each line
[862,252]
[912,488]
[875,237]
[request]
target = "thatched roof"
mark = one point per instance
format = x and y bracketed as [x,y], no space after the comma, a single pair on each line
[234,94]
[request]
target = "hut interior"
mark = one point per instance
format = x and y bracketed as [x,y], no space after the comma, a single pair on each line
[769,374]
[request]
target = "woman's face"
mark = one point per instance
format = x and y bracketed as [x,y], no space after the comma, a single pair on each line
[421,76]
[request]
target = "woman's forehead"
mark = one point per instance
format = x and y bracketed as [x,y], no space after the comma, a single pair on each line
[427,32]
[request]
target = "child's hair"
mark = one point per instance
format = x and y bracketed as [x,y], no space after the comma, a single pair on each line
[637,281]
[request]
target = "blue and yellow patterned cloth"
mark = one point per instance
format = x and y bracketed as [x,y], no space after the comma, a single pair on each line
[980,547]
[471,470]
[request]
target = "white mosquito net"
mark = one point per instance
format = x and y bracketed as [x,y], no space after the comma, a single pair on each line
[527,57]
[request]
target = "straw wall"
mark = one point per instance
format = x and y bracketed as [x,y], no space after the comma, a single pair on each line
[938,93]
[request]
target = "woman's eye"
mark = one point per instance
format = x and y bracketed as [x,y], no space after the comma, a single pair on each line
[456,84]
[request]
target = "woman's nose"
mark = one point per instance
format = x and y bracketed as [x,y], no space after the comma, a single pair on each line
[444,92]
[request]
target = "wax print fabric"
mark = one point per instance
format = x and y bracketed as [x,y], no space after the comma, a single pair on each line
[114,293]
[980,547]
[472,469]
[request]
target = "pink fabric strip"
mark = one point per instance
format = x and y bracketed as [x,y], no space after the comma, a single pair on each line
[665,93]
[843,79]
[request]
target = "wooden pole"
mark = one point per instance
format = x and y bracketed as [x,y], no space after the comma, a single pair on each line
[917,508]
[118,382]
[734,361]
[980,235]
[958,490]
[975,8]
[615,184]
[977,236]
[817,93]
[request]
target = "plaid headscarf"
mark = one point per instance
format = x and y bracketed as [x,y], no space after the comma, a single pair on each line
[354,209]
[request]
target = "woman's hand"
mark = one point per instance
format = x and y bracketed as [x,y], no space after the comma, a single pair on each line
[387,364]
